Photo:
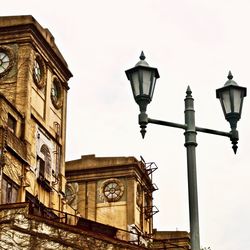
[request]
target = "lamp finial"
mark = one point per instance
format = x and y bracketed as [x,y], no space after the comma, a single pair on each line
[230,76]
[142,56]
[189,92]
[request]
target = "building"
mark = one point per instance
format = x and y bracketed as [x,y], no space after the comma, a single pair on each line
[116,191]
[33,87]
[107,202]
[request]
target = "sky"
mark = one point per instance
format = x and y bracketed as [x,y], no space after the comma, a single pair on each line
[194,42]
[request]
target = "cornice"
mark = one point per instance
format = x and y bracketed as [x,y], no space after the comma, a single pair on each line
[32,32]
[132,170]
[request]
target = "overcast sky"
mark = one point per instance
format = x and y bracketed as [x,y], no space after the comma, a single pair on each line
[194,43]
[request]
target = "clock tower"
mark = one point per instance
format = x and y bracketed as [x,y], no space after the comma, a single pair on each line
[33,99]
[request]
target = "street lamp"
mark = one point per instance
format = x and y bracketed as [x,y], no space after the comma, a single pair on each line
[143,79]
[231,98]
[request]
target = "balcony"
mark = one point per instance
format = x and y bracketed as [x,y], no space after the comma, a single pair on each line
[9,140]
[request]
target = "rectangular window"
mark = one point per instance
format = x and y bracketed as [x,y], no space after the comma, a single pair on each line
[9,191]
[11,123]
[41,166]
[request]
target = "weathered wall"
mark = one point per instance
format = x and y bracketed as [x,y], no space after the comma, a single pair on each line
[20,231]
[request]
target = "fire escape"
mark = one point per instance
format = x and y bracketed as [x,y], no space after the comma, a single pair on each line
[149,209]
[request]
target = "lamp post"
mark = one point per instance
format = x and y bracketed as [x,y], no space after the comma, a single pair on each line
[143,79]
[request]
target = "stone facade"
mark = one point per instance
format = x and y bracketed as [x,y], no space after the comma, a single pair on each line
[33,101]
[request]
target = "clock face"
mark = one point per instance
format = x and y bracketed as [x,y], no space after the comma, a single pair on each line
[37,72]
[56,93]
[4,62]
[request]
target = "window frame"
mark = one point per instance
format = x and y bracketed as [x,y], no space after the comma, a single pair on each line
[44,162]
[12,123]
[9,190]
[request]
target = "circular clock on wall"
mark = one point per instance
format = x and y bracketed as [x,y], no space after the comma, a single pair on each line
[56,93]
[6,60]
[113,189]
[39,72]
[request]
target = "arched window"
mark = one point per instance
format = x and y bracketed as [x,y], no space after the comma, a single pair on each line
[45,162]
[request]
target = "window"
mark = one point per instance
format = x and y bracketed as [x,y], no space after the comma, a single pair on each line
[11,123]
[112,189]
[41,165]
[44,162]
[44,167]
[9,191]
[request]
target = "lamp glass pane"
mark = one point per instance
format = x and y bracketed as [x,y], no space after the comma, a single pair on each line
[226,101]
[146,75]
[153,87]
[136,84]
[237,100]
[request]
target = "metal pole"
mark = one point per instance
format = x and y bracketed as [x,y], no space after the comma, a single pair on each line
[190,144]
